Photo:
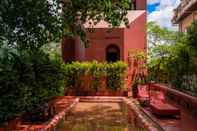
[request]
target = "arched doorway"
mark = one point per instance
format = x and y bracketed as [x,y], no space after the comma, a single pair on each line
[112,53]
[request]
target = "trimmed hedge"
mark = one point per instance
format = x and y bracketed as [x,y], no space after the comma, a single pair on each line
[30,79]
[114,72]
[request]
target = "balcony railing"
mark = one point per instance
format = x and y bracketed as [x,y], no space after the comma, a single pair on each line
[182,9]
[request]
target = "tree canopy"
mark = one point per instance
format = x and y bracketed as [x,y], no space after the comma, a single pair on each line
[158,35]
[33,23]
[173,58]
[30,77]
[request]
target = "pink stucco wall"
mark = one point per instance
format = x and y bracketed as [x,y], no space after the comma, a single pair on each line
[126,39]
[100,39]
[135,39]
[141,4]
[135,36]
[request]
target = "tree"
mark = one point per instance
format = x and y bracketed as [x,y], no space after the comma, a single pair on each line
[175,63]
[29,77]
[192,35]
[29,24]
[158,35]
[160,41]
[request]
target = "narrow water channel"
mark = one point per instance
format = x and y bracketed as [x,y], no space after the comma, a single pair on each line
[98,117]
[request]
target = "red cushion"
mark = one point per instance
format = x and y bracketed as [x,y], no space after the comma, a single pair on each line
[163,109]
[157,95]
[143,91]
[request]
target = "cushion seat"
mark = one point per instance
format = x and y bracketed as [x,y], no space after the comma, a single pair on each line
[143,95]
[163,109]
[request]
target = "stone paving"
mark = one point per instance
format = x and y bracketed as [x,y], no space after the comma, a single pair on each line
[184,122]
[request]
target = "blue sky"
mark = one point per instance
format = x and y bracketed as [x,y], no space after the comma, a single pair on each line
[161,12]
[152,7]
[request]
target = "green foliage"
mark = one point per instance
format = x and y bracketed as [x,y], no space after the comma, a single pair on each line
[114,72]
[97,70]
[158,35]
[27,81]
[192,35]
[161,47]
[115,75]
[29,76]
[176,63]
[29,24]
[139,79]
[77,12]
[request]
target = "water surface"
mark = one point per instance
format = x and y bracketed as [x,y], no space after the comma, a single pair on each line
[98,117]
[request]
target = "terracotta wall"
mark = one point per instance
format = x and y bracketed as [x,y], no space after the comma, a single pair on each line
[100,39]
[141,4]
[135,36]
[125,38]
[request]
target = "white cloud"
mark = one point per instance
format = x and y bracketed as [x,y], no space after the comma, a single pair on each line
[164,13]
[150,2]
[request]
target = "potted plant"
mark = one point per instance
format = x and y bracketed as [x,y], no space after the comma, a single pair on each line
[141,80]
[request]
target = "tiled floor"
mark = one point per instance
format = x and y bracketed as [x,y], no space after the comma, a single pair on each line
[185,122]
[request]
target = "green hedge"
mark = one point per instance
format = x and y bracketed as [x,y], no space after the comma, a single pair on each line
[28,80]
[114,72]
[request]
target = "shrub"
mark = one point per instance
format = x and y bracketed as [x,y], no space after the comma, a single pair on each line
[28,80]
[114,72]
[97,70]
[115,75]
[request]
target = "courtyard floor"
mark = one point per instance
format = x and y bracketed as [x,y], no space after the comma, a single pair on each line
[109,116]
[185,122]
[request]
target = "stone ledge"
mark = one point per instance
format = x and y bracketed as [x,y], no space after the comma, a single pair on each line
[61,105]
[140,116]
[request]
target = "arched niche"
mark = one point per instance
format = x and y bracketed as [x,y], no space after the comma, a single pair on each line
[112,53]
